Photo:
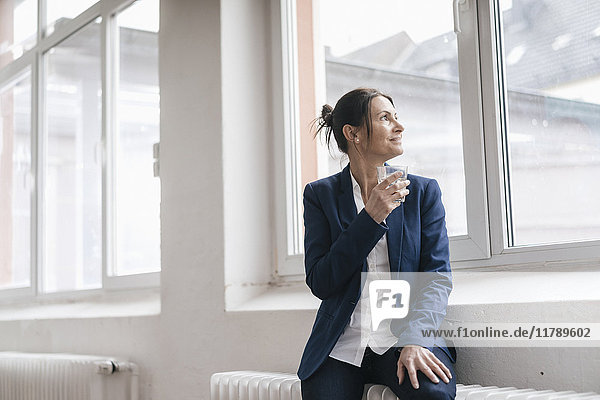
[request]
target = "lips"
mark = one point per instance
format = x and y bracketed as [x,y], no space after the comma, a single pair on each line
[397,139]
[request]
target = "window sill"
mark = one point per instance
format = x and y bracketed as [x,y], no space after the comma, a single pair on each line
[470,288]
[283,297]
[508,287]
[130,303]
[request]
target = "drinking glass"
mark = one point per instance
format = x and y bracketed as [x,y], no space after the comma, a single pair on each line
[386,170]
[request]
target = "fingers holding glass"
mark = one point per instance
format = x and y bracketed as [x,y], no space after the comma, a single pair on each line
[392,174]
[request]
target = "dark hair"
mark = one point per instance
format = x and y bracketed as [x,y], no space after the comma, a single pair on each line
[353,108]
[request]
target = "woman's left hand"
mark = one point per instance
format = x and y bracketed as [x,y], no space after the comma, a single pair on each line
[415,358]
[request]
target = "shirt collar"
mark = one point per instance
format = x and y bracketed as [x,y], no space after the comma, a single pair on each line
[354,182]
[358,201]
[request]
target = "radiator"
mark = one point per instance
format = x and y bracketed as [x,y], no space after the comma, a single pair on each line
[252,385]
[27,376]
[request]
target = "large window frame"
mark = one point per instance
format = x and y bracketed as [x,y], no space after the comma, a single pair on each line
[485,150]
[107,10]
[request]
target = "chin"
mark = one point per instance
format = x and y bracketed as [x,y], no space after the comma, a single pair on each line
[393,152]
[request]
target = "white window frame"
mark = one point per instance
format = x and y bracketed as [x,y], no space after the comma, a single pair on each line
[288,196]
[486,243]
[493,88]
[33,58]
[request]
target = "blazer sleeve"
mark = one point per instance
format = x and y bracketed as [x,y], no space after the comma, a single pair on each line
[434,280]
[330,262]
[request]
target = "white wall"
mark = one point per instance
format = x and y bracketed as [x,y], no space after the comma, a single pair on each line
[215,102]
[209,106]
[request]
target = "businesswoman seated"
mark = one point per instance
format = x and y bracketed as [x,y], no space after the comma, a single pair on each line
[353,225]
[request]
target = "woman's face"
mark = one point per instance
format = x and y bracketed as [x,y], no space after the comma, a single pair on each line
[386,132]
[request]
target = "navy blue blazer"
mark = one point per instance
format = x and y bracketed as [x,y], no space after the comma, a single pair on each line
[337,241]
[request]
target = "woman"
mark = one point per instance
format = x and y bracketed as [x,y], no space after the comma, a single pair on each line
[353,225]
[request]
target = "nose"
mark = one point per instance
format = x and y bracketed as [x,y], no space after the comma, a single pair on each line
[399,127]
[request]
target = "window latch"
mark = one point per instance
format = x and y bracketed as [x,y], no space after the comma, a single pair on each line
[156,156]
[456,5]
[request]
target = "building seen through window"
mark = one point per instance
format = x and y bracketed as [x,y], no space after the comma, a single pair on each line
[552,80]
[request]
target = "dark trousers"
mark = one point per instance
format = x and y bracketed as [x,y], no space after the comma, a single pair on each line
[339,380]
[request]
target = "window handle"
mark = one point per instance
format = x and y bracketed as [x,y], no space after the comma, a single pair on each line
[456,7]
[156,156]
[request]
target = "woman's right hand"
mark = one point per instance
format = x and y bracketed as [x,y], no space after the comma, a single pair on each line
[383,198]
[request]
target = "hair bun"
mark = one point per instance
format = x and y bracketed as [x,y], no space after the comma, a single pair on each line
[327,115]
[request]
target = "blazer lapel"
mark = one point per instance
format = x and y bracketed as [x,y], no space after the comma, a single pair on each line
[395,223]
[346,205]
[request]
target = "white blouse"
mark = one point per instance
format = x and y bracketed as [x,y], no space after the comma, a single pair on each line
[349,347]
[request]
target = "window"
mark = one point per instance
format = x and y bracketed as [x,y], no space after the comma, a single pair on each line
[15,182]
[553,121]
[18,32]
[80,130]
[497,110]
[72,213]
[416,63]
[59,12]
[137,117]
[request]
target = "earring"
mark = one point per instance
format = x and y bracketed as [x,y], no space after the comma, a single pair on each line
[356,140]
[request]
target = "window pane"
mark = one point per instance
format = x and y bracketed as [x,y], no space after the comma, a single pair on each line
[414,62]
[59,12]
[73,201]
[553,81]
[15,183]
[18,28]
[137,191]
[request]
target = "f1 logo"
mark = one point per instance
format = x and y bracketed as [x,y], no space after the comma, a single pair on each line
[389,299]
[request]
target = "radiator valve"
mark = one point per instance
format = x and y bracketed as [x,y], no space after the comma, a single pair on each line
[106,367]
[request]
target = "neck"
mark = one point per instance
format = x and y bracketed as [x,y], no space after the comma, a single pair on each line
[365,173]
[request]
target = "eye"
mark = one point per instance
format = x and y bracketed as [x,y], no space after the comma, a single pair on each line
[384,117]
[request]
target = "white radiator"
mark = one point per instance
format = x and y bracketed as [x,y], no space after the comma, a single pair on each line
[252,385]
[27,376]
